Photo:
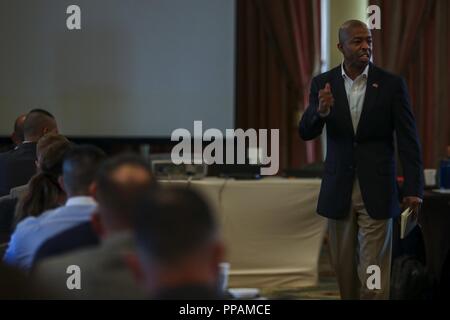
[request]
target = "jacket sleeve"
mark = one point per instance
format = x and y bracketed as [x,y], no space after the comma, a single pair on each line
[409,148]
[311,124]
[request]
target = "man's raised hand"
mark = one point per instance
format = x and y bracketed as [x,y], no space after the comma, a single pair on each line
[326,99]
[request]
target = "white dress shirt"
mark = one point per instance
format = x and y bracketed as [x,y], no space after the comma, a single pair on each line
[81,201]
[356,90]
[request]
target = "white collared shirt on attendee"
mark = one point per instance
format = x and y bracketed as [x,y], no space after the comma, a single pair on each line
[356,90]
[81,201]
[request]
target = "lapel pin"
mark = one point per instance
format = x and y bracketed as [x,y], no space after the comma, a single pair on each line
[375,85]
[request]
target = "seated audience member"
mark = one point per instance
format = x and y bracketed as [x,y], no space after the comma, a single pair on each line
[18,166]
[42,148]
[8,202]
[79,168]
[179,246]
[105,270]
[17,136]
[43,192]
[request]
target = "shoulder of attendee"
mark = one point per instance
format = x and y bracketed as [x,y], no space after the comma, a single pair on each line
[78,210]
[10,156]
[382,73]
[54,270]
[82,258]
[26,223]
[25,150]
[16,192]
[122,239]
[34,222]
[325,77]
[46,218]
[5,154]
[24,233]
[7,197]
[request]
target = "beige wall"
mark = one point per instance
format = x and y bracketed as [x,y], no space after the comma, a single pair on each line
[340,11]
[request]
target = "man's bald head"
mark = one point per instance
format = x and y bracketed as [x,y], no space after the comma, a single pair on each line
[38,122]
[355,44]
[347,27]
[17,136]
[119,181]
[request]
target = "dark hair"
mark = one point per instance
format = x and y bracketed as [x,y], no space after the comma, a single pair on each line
[44,112]
[35,122]
[80,167]
[171,223]
[119,197]
[44,191]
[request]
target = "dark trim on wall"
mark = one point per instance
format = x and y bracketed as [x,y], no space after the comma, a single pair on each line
[113,145]
[111,140]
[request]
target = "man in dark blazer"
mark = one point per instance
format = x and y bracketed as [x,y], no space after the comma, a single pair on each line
[179,246]
[18,166]
[363,108]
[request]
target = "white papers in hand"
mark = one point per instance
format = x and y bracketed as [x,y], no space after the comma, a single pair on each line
[408,222]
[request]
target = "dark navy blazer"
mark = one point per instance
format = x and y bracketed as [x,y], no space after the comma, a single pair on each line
[78,237]
[368,153]
[17,167]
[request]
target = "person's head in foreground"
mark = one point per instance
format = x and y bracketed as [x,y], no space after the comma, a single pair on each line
[179,246]
[119,182]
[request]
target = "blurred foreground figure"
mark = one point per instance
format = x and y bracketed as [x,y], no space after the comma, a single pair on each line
[14,285]
[103,270]
[179,245]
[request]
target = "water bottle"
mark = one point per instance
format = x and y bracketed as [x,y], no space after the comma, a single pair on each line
[444,174]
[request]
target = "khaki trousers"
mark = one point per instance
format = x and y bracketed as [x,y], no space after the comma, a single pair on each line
[357,242]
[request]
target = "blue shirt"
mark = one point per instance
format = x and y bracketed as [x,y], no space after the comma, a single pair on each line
[34,231]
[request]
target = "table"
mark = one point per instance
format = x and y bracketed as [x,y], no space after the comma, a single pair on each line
[270,227]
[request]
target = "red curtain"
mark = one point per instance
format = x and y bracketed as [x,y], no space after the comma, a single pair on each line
[278,51]
[414,42]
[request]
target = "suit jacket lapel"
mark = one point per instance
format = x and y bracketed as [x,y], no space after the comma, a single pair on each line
[370,97]
[341,105]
